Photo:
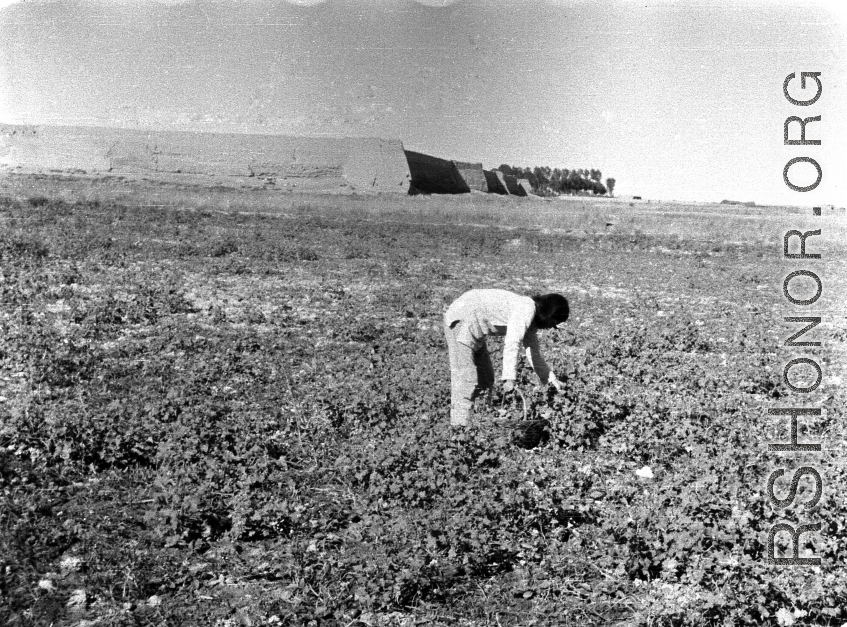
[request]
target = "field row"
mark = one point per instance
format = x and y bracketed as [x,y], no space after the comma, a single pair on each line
[212,416]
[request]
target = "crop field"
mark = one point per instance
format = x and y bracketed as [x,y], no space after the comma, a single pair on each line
[224,407]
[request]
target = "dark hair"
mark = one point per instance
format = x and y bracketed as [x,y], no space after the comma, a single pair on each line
[550,310]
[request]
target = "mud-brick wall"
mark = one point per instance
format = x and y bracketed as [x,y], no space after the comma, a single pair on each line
[526,186]
[355,163]
[52,148]
[472,174]
[496,182]
[377,165]
[432,175]
[512,185]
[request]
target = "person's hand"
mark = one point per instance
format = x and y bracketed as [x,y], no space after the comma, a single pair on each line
[557,384]
[509,385]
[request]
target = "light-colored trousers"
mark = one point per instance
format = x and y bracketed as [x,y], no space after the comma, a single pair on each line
[471,373]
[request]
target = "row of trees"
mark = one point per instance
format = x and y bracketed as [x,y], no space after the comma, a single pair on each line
[550,182]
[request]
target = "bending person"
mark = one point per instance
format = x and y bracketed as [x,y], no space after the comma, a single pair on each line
[477,314]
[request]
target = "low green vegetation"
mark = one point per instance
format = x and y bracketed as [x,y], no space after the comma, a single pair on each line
[212,417]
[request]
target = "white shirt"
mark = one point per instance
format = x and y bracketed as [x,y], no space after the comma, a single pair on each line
[499,312]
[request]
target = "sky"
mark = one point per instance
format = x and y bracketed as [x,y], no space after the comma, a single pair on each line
[675,100]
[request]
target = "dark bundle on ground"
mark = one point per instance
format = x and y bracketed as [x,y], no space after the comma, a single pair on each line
[526,434]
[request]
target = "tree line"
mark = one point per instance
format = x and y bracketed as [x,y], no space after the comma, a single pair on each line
[552,182]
